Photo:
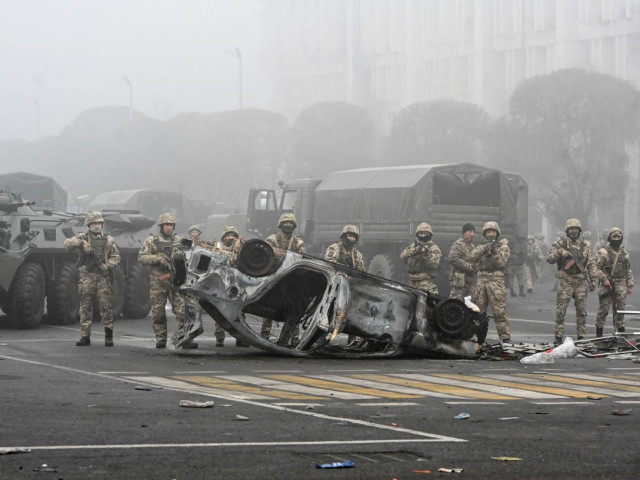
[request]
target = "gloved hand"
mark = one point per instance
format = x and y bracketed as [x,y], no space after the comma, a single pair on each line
[104,268]
[164,263]
[592,286]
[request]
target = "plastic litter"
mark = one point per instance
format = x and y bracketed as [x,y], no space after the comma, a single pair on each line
[194,404]
[450,470]
[8,450]
[623,411]
[462,416]
[566,350]
[241,418]
[509,418]
[347,464]
[421,471]
[507,459]
[142,387]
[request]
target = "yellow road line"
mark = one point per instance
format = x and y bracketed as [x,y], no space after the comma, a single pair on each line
[522,386]
[434,387]
[341,387]
[585,382]
[236,387]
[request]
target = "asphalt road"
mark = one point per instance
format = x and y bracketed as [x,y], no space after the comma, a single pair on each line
[98,413]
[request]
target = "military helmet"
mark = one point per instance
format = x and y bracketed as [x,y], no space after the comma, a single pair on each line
[491,226]
[228,229]
[350,229]
[587,235]
[166,218]
[424,227]
[540,236]
[572,223]
[614,231]
[287,217]
[194,227]
[531,237]
[93,217]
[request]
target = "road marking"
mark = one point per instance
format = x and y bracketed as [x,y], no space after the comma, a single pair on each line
[186,386]
[475,403]
[125,373]
[563,403]
[223,384]
[291,387]
[379,382]
[553,391]
[291,404]
[341,387]
[238,444]
[388,404]
[620,379]
[277,371]
[543,380]
[429,437]
[588,380]
[627,401]
[463,389]
[197,372]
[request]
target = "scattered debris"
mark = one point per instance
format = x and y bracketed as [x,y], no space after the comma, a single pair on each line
[462,416]
[194,404]
[421,471]
[45,468]
[621,412]
[241,418]
[309,407]
[508,418]
[346,464]
[593,397]
[143,388]
[507,459]
[450,470]
[9,450]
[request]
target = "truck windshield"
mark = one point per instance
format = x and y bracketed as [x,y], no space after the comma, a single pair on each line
[289,200]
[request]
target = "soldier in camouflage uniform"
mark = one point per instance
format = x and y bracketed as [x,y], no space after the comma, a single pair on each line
[194,232]
[423,260]
[284,240]
[345,252]
[464,273]
[156,253]
[492,256]
[97,255]
[516,267]
[614,261]
[571,279]
[602,242]
[533,258]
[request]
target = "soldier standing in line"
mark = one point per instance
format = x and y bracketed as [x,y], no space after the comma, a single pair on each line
[614,261]
[194,233]
[284,240]
[602,242]
[97,256]
[533,258]
[516,267]
[463,274]
[492,256]
[575,264]
[423,260]
[156,253]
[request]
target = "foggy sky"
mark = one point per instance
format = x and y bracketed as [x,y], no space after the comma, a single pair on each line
[68,56]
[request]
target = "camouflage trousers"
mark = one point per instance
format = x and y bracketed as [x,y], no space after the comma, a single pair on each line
[516,271]
[160,291]
[530,276]
[469,289]
[90,287]
[491,291]
[571,286]
[424,284]
[267,325]
[219,332]
[619,298]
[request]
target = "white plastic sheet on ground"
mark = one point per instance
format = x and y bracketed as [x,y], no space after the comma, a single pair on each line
[566,350]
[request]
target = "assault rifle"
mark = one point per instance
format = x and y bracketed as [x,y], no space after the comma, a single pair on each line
[611,290]
[575,261]
[98,262]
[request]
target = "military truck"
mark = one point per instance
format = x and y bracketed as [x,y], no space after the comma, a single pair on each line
[388,203]
[35,267]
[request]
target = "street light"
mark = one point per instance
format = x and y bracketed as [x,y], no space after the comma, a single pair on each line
[128,82]
[238,54]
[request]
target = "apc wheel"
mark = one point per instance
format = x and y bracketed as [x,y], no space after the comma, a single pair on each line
[117,296]
[63,300]
[382,266]
[26,296]
[137,302]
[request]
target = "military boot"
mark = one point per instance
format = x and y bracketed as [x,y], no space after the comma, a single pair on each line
[108,337]
[598,332]
[513,292]
[84,341]
[522,294]
[557,341]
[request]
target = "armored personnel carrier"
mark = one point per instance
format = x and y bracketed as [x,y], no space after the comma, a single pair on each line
[36,272]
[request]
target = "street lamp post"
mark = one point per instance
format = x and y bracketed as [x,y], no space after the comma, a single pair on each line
[128,82]
[238,54]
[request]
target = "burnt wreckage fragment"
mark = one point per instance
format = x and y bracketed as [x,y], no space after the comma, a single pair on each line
[325,299]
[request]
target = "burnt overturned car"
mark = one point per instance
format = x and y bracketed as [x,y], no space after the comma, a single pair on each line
[325,300]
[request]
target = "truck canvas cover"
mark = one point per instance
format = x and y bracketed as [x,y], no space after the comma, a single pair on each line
[45,191]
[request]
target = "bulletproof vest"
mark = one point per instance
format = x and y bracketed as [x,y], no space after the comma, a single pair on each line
[417,264]
[346,257]
[577,251]
[621,264]
[164,244]
[486,263]
[100,245]
[285,243]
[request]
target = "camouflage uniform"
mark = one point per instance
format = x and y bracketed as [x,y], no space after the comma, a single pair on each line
[284,241]
[156,253]
[94,273]
[615,263]
[533,257]
[345,254]
[464,273]
[492,259]
[571,281]
[423,260]
[516,267]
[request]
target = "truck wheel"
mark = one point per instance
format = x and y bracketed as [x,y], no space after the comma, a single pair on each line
[117,296]
[137,300]
[63,300]
[26,296]
[382,266]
